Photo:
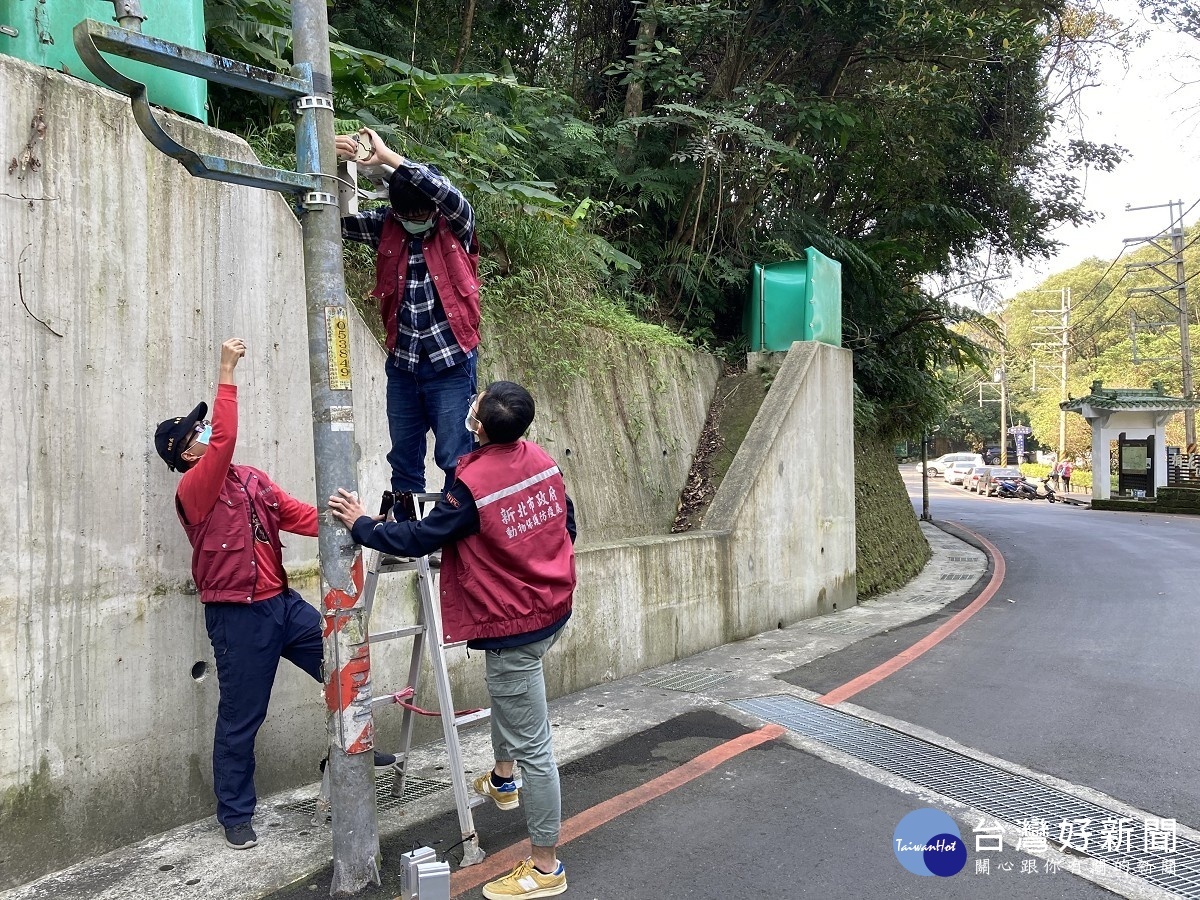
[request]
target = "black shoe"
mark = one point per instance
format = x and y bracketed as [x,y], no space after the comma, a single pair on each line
[240,837]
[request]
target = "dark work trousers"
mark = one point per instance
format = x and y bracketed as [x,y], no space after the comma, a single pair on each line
[249,639]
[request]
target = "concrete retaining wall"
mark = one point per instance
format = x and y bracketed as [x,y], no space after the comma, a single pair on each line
[121,275]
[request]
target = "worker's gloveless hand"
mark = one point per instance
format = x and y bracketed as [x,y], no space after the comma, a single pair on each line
[347,508]
[347,146]
[232,351]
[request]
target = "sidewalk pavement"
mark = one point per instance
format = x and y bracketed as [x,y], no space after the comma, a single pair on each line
[193,861]
[1074,498]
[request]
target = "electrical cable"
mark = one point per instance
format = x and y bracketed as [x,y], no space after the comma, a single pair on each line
[362,195]
[1174,222]
[1074,345]
[401,698]
[1099,282]
[446,852]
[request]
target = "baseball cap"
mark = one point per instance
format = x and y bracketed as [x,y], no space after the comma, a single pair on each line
[171,436]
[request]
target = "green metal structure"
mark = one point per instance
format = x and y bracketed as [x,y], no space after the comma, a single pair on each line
[43,37]
[795,300]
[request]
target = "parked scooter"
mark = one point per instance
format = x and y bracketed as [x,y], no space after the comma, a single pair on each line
[1008,489]
[1028,491]
[1047,492]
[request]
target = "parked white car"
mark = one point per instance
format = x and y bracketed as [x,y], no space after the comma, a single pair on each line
[946,460]
[958,471]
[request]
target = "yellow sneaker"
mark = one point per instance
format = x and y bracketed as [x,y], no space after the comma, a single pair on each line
[527,881]
[506,796]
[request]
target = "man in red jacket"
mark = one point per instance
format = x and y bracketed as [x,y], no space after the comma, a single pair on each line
[233,515]
[507,582]
[427,288]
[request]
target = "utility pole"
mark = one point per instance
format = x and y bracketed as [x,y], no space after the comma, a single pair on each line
[1185,337]
[925,517]
[309,88]
[1063,346]
[1178,284]
[1002,377]
[347,645]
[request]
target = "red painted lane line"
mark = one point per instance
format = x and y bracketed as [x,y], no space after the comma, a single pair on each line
[602,813]
[931,640]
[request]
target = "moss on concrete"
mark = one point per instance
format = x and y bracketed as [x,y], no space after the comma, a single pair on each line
[32,816]
[890,546]
[740,397]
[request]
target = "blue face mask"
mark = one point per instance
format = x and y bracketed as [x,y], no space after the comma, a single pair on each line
[205,435]
[417,228]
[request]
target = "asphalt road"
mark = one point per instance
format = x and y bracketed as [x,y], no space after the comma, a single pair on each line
[1081,667]
[1090,672]
[773,823]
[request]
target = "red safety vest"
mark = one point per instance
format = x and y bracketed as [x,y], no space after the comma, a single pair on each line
[453,268]
[517,575]
[223,564]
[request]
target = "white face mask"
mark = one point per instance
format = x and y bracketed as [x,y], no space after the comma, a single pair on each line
[417,228]
[471,422]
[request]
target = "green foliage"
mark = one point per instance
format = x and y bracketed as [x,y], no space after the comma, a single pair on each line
[663,147]
[546,300]
[1124,340]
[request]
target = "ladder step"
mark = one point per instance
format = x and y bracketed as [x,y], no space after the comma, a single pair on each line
[480,715]
[406,631]
[405,563]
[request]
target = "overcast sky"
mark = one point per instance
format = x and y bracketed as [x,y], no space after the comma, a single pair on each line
[1145,110]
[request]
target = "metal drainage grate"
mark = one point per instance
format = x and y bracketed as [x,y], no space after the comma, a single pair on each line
[960,576]
[841,627]
[965,558]
[689,682]
[930,598]
[995,792]
[414,789]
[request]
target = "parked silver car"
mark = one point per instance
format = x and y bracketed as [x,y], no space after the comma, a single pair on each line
[989,484]
[958,471]
[946,460]
[975,477]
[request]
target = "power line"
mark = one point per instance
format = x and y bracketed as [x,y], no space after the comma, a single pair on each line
[1095,309]
[1097,329]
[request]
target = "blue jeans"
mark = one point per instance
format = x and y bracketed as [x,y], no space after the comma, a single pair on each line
[425,400]
[248,640]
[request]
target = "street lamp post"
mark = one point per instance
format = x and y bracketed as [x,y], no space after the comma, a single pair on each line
[925,517]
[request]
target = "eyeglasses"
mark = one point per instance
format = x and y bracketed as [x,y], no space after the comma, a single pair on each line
[256,527]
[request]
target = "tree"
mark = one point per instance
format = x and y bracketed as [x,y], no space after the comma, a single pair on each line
[687,139]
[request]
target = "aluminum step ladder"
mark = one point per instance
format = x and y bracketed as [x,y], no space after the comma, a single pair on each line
[426,633]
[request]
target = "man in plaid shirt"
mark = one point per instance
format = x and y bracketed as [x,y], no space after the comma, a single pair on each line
[427,287]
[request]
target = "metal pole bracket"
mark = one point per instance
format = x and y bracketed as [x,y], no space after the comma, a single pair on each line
[313,101]
[92,37]
[319,198]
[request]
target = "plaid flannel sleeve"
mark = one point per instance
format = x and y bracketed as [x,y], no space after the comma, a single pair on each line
[365,227]
[445,196]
